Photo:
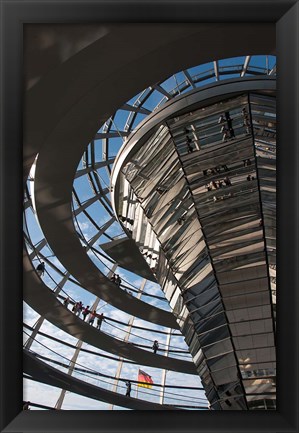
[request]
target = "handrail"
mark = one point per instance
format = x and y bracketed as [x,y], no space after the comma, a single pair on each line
[96,253]
[92,371]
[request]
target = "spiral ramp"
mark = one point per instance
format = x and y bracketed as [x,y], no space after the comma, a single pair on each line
[70,104]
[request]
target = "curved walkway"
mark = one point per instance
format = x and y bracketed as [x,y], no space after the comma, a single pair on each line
[42,300]
[44,373]
[72,114]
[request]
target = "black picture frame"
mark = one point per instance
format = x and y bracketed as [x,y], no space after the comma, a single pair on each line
[14,14]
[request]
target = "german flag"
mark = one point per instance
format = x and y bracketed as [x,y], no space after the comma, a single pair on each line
[144,379]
